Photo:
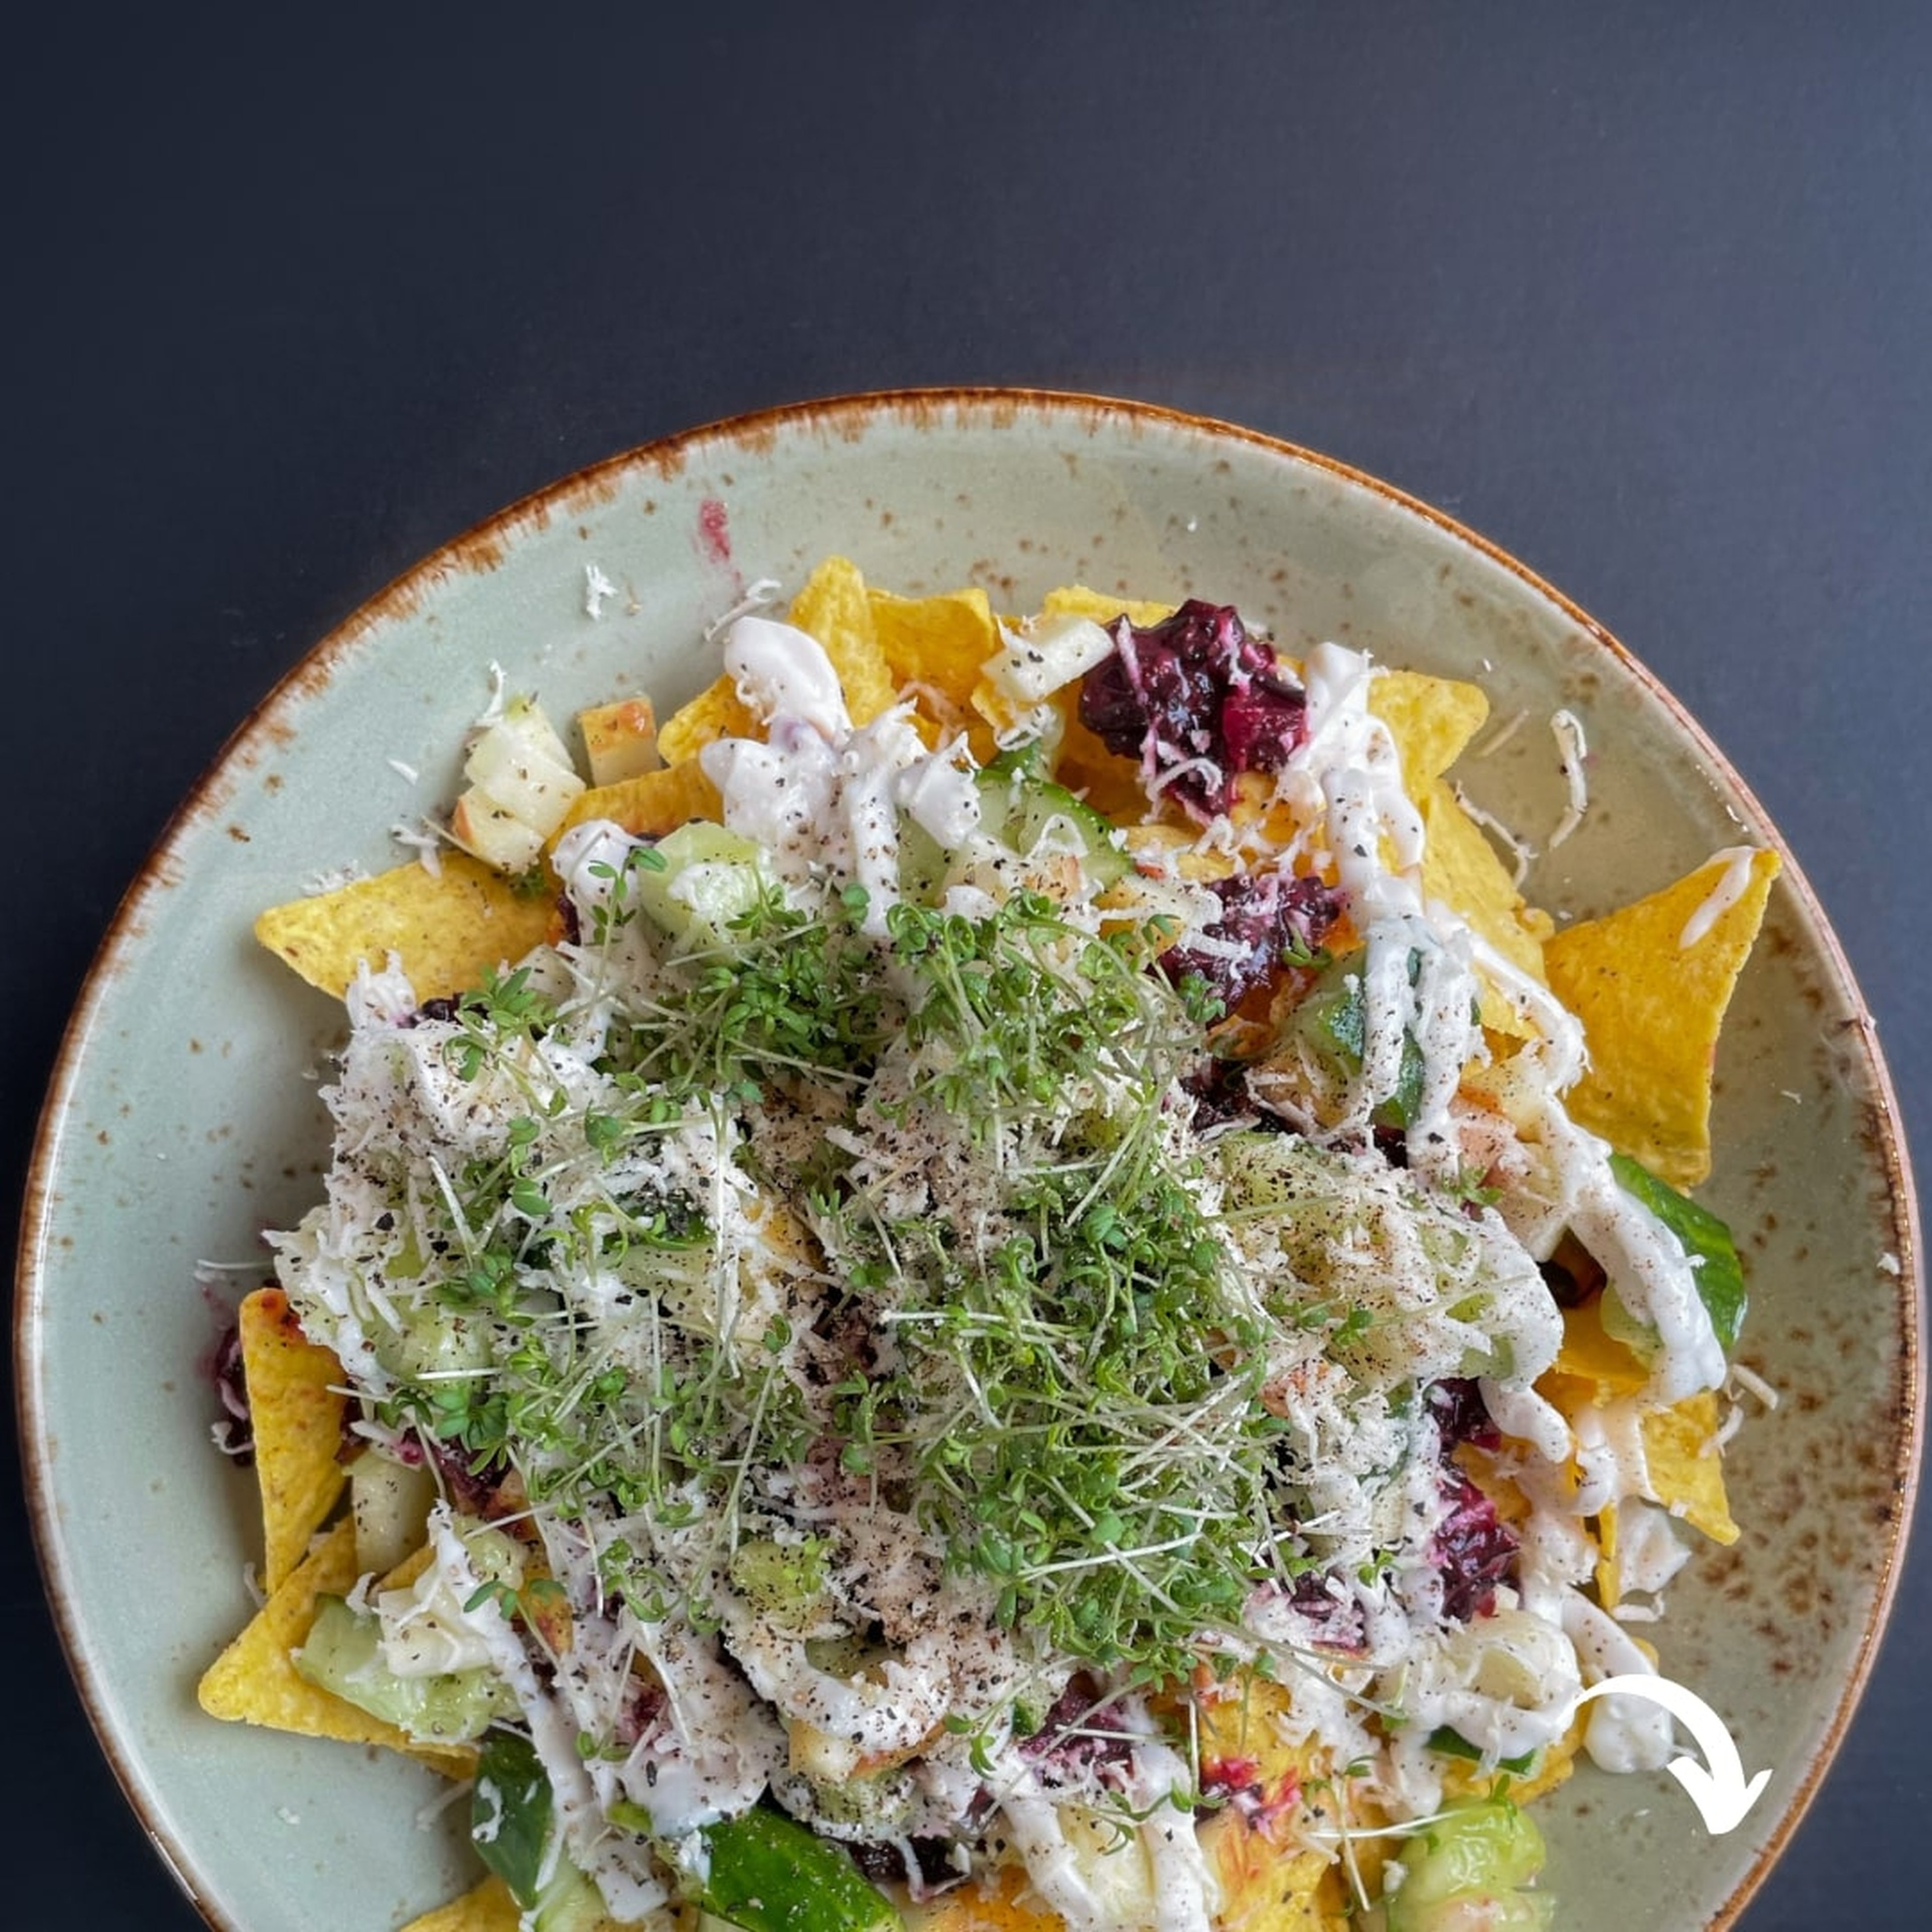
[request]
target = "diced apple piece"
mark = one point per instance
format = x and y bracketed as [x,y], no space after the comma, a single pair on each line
[526,787]
[620,739]
[490,833]
[519,764]
[522,786]
[524,718]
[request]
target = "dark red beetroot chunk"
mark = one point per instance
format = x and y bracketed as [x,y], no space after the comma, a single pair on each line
[1265,914]
[1461,1414]
[235,1433]
[1475,1549]
[1196,691]
[1075,1734]
[940,1870]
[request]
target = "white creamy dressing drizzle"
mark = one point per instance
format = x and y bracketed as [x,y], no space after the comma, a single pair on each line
[1506,1682]
[1185,1894]
[1622,1734]
[820,793]
[1650,1551]
[1652,1275]
[1610,1460]
[1523,1414]
[619,1865]
[1417,977]
[1159,1878]
[1348,769]
[1733,882]
[716,1749]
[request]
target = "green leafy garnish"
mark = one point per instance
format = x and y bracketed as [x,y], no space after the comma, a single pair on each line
[1447,1741]
[510,1812]
[1706,1239]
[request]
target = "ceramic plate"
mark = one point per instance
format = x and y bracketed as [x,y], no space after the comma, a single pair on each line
[183,1118]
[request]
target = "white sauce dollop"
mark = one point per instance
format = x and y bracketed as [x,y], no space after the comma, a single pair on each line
[821,795]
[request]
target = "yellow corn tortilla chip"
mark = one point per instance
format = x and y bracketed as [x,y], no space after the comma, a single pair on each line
[487,1907]
[1076,600]
[833,607]
[935,648]
[1608,1594]
[1265,1887]
[1460,867]
[1002,1903]
[1589,1354]
[943,641]
[296,1409]
[409,1572]
[1570,1395]
[651,804]
[1432,720]
[1650,1006]
[1243,1721]
[254,1681]
[1687,1473]
[716,711]
[447,928]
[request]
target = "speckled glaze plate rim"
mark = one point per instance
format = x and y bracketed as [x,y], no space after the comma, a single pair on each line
[848,417]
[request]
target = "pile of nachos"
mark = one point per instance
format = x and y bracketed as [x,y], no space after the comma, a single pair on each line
[994,1278]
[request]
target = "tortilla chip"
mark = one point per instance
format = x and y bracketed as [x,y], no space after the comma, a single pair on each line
[941,641]
[254,1681]
[1609,1592]
[717,712]
[487,1907]
[1262,1889]
[1510,1500]
[1650,1007]
[448,929]
[1687,1473]
[994,1906]
[1553,1765]
[1590,1354]
[1265,1887]
[620,739]
[295,1409]
[833,607]
[1076,600]
[651,804]
[409,1572]
[1460,867]
[1243,1721]
[935,648]
[1432,720]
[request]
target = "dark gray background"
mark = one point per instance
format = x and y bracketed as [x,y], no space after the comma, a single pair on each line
[1644,298]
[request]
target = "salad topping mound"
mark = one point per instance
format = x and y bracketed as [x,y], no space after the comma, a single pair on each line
[1017,1339]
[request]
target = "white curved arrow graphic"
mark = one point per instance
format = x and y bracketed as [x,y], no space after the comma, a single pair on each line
[1721,1794]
